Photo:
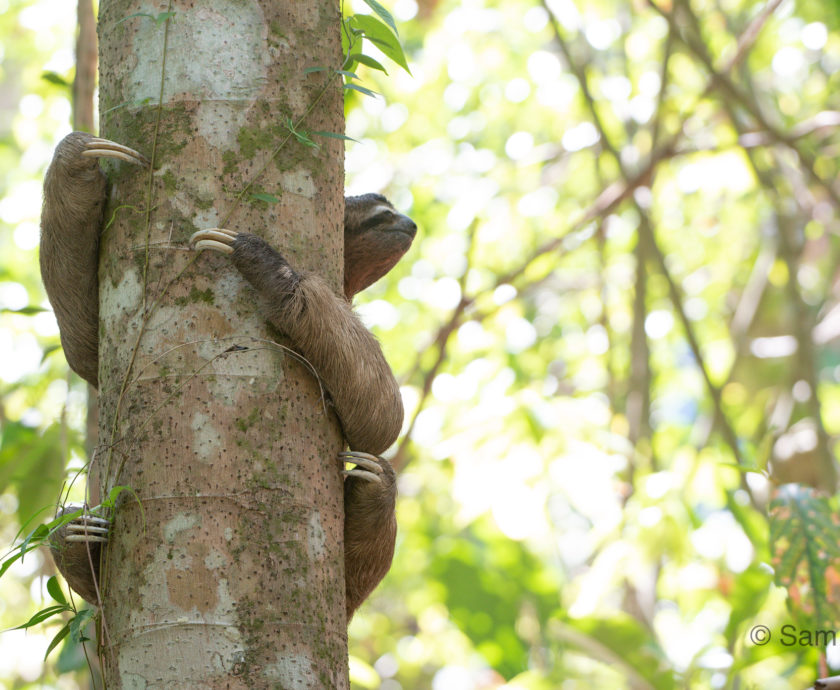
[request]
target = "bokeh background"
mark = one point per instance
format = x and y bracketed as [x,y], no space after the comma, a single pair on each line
[617,334]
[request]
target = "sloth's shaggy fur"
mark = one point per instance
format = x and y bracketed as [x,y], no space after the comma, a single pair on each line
[320,325]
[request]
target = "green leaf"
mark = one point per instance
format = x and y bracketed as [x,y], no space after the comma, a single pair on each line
[27,311]
[55,78]
[17,555]
[132,16]
[383,13]
[60,635]
[42,615]
[312,70]
[806,555]
[158,19]
[40,472]
[300,135]
[114,493]
[361,89]
[48,350]
[55,590]
[374,30]
[333,135]
[138,102]
[368,61]
[268,198]
[163,16]
[346,35]
[79,622]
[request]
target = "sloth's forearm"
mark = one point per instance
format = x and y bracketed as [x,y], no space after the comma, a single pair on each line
[324,329]
[69,258]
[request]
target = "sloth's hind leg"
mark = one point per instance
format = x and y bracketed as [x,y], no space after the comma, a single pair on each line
[71,221]
[370,525]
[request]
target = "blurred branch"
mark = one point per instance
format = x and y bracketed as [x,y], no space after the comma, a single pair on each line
[803,326]
[639,384]
[751,297]
[729,92]
[714,391]
[747,38]
[84,82]
[441,341]
[608,200]
[664,73]
[646,233]
[789,247]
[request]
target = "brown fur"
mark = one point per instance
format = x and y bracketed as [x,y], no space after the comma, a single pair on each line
[74,558]
[330,336]
[320,325]
[370,530]
[71,218]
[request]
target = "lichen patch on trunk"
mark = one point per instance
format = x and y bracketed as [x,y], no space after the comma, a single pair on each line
[210,56]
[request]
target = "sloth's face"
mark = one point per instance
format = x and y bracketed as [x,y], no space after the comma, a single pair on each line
[375,238]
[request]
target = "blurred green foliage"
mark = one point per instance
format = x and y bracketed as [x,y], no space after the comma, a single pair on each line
[617,332]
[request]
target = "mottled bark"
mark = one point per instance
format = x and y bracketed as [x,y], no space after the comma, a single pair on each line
[231,573]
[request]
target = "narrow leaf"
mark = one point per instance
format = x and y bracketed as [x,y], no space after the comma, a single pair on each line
[8,562]
[368,61]
[132,16]
[55,78]
[48,351]
[345,37]
[361,89]
[60,635]
[268,198]
[383,13]
[312,70]
[42,615]
[27,311]
[333,135]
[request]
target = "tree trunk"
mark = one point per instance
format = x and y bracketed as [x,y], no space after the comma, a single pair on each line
[226,569]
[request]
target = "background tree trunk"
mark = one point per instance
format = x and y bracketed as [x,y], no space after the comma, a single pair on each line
[227,572]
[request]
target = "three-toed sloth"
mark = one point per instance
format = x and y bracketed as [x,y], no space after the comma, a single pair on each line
[321,326]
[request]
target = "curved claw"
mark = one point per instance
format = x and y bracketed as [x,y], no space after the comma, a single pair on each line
[367,466]
[87,528]
[217,239]
[105,148]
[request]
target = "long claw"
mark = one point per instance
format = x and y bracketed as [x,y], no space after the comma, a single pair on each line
[221,234]
[80,526]
[215,246]
[363,474]
[88,528]
[217,239]
[367,466]
[86,538]
[349,454]
[105,148]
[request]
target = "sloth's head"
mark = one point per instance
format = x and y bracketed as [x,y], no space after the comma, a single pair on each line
[375,238]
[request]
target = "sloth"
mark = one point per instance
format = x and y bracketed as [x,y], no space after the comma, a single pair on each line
[320,325]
